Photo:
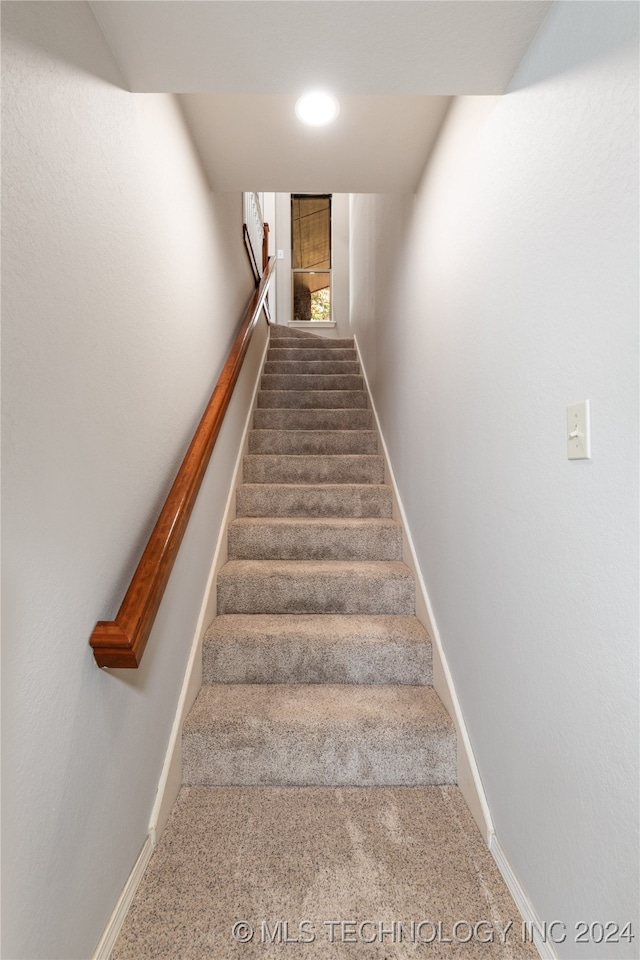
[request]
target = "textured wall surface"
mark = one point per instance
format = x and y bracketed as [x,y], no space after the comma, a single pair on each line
[505,290]
[124,280]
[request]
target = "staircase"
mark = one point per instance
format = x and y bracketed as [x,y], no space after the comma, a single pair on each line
[316,671]
[319,815]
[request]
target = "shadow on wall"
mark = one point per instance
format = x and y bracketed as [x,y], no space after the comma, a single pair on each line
[613,33]
[46,34]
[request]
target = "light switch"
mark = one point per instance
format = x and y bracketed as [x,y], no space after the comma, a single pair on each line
[579,431]
[280,254]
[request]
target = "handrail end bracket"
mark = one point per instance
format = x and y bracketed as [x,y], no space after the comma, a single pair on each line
[113,648]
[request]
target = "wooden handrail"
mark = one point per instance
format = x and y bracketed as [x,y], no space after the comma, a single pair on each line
[121,642]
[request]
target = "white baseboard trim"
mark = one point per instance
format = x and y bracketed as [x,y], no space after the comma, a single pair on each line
[114,925]
[522,902]
[469,780]
[171,776]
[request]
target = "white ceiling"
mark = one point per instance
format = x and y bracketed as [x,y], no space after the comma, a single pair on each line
[376,145]
[392,64]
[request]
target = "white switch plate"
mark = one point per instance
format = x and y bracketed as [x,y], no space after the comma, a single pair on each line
[280,254]
[579,431]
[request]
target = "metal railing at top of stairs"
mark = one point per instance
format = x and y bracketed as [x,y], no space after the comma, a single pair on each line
[121,642]
[256,239]
[253,228]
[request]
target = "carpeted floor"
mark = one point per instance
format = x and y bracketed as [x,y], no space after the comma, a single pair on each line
[356,863]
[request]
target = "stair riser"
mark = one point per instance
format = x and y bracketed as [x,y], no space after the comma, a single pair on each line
[277,354]
[313,381]
[291,500]
[313,469]
[331,734]
[278,331]
[292,762]
[313,399]
[309,366]
[283,419]
[283,542]
[312,343]
[297,661]
[319,594]
[312,442]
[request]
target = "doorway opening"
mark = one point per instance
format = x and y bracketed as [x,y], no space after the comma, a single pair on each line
[311,257]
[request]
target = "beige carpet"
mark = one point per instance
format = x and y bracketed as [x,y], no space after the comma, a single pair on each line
[354,862]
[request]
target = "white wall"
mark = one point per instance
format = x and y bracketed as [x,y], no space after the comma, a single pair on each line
[269,216]
[505,290]
[340,262]
[282,240]
[123,283]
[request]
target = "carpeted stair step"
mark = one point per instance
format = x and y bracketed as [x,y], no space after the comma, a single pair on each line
[350,367]
[320,734]
[319,538]
[277,354]
[305,399]
[291,468]
[301,442]
[315,343]
[281,330]
[258,648]
[310,381]
[316,586]
[277,330]
[316,669]
[314,500]
[282,418]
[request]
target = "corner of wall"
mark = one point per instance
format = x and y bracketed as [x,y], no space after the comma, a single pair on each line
[108,939]
[531,922]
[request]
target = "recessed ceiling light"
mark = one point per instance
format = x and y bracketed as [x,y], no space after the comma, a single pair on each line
[317,108]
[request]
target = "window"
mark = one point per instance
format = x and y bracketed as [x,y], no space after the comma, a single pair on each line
[311,256]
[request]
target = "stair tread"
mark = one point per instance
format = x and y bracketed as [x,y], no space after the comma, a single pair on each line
[309,568]
[314,499]
[349,367]
[313,418]
[314,456]
[315,538]
[314,399]
[339,628]
[317,648]
[316,434]
[312,442]
[315,342]
[315,354]
[313,468]
[319,705]
[330,523]
[311,381]
[316,586]
[341,488]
